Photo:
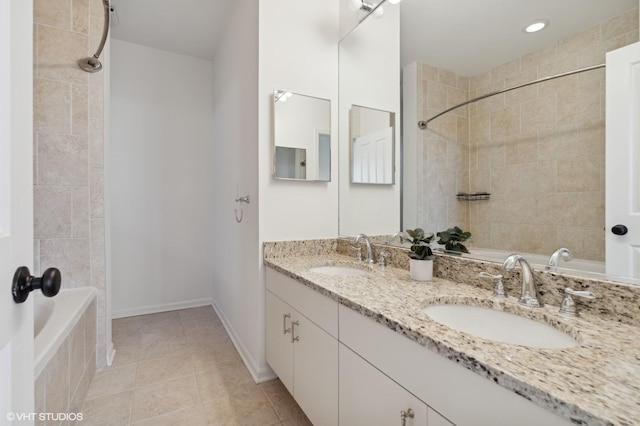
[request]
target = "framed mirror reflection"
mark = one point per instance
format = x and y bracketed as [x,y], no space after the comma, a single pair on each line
[302,137]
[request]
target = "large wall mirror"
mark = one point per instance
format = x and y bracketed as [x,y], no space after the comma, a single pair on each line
[302,137]
[539,151]
[369,102]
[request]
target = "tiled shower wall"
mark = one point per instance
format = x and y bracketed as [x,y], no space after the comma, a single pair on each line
[69,149]
[538,150]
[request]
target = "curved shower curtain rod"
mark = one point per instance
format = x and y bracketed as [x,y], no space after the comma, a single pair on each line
[423,123]
[92,64]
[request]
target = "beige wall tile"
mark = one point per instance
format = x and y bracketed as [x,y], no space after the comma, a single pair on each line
[63,160]
[77,348]
[506,70]
[559,142]
[521,149]
[505,122]
[97,244]
[586,243]
[52,211]
[457,156]
[538,114]
[580,174]
[552,87]
[480,128]
[39,397]
[505,180]
[80,110]
[52,106]
[428,72]
[591,137]
[96,142]
[579,41]
[539,177]
[96,193]
[71,256]
[455,97]
[544,55]
[437,96]
[80,212]
[80,16]
[96,96]
[620,25]
[480,180]
[54,13]
[463,130]
[582,103]
[463,82]
[446,77]
[491,154]
[57,381]
[58,53]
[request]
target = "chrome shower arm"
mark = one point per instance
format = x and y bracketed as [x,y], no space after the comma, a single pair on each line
[92,64]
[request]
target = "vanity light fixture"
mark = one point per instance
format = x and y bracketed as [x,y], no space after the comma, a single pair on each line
[536,26]
[356,5]
[282,96]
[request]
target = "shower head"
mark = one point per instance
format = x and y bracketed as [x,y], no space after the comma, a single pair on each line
[91,64]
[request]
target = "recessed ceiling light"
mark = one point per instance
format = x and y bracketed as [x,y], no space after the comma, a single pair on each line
[536,26]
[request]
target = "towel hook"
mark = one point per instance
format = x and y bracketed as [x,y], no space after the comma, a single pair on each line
[240,200]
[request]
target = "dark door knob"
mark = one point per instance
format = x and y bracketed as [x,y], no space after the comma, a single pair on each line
[619,230]
[24,283]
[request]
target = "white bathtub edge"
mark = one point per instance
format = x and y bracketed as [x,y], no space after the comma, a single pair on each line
[59,325]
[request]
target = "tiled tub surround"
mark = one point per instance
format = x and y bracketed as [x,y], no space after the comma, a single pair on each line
[62,383]
[596,383]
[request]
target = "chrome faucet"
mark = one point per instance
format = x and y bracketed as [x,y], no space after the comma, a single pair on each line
[370,259]
[400,234]
[564,253]
[529,294]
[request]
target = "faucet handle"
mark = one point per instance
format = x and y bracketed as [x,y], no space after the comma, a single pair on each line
[358,252]
[568,305]
[498,292]
[382,258]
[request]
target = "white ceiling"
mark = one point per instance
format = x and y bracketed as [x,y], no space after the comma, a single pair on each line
[472,36]
[190,27]
[464,36]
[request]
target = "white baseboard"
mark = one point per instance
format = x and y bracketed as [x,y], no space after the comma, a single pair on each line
[153,309]
[258,373]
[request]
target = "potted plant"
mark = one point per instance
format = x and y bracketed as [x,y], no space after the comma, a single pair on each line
[453,238]
[421,256]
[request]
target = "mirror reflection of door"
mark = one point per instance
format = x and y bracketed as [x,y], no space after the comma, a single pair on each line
[373,157]
[324,156]
[372,145]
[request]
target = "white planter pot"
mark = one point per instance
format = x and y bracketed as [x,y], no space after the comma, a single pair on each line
[421,270]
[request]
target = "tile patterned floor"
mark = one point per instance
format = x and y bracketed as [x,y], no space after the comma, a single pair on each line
[180,368]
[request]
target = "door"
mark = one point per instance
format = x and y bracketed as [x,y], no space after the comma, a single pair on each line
[622,217]
[16,204]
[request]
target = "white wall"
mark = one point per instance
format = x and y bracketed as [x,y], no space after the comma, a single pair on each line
[238,293]
[370,77]
[161,180]
[294,48]
[301,57]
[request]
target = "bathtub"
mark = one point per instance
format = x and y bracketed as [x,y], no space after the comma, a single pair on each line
[54,318]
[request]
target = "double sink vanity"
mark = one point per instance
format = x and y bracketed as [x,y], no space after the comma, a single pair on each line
[366,345]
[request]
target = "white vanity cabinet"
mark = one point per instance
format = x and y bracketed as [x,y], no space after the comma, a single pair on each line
[302,345]
[368,397]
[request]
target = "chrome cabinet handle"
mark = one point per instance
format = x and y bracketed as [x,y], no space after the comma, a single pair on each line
[404,414]
[294,338]
[285,330]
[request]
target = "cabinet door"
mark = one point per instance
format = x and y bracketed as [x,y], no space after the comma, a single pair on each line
[315,372]
[368,397]
[279,347]
[435,419]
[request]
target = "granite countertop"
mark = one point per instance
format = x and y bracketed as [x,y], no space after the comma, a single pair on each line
[594,383]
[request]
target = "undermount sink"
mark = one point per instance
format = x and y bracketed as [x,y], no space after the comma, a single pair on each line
[499,326]
[339,270]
